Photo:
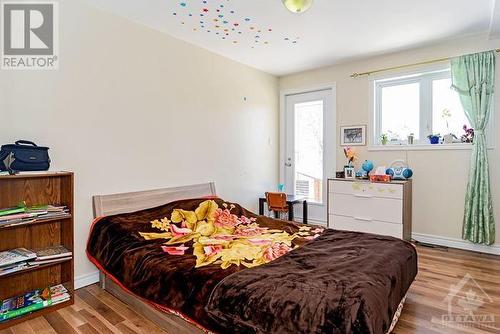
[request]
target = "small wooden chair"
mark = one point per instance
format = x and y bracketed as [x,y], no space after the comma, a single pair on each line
[276,202]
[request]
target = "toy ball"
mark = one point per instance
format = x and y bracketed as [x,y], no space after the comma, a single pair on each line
[390,172]
[367,166]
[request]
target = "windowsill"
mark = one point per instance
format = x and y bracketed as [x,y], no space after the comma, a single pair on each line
[422,147]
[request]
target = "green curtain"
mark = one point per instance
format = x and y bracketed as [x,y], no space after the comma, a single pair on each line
[473,78]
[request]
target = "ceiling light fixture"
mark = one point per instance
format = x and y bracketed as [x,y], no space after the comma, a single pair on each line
[297,6]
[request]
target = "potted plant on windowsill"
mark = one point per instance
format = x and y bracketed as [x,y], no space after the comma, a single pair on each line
[448,138]
[434,138]
[384,139]
[468,137]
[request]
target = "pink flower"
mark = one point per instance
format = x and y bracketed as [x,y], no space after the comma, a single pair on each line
[179,250]
[179,231]
[224,236]
[212,250]
[259,241]
[246,220]
[318,230]
[225,219]
[275,251]
[249,230]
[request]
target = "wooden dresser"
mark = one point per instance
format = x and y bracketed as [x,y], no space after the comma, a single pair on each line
[363,206]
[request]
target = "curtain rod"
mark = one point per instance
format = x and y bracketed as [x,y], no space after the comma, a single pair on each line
[355,75]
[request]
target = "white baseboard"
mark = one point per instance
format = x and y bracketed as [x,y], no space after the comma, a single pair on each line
[86,279]
[455,243]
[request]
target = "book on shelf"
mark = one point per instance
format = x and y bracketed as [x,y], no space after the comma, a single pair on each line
[32,301]
[17,255]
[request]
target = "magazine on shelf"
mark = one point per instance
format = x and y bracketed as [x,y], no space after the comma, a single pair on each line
[51,252]
[59,259]
[27,303]
[59,294]
[34,213]
[16,268]
[53,215]
[16,216]
[58,289]
[43,209]
[11,211]
[18,222]
[15,255]
[56,208]
[32,301]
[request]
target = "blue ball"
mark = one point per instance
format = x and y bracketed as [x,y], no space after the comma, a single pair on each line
[390,172]
[367,166]
[407,173]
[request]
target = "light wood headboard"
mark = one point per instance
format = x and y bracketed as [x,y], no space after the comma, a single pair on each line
[105,205]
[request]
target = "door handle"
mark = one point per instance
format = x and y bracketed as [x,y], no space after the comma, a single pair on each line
[288,164]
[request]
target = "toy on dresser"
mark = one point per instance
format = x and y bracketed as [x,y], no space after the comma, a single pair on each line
[399,171]
[380,175]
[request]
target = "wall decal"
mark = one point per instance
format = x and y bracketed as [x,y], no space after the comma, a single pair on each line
[218,20]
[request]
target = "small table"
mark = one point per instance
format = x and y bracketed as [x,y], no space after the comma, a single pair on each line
[291,200]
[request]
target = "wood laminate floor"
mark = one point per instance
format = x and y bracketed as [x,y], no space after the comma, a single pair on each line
[96,311]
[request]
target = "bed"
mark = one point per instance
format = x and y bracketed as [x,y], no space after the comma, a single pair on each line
[308,279]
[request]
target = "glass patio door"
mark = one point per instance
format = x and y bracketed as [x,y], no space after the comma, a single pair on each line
[309,157]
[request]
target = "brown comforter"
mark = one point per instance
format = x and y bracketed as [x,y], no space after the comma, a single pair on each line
[341,282]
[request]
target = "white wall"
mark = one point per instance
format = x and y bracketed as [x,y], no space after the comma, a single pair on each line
[132,109]
[440,176]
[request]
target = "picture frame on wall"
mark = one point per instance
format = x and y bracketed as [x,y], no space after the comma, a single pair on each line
[353,135]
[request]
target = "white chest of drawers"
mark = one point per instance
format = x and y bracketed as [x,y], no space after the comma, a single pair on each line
[362,206]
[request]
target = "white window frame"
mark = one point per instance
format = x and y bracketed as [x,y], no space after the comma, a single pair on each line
[424,76]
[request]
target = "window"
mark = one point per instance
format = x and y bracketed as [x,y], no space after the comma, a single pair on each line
[402,98]
[420,104]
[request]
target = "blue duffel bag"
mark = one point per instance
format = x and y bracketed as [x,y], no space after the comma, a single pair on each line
[24,156]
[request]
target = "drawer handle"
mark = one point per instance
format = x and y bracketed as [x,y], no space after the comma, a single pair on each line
[363,219]
[363,196]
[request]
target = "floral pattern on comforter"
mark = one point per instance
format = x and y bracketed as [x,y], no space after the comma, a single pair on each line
[220,237]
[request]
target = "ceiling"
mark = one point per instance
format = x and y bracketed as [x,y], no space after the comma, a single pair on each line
[265,35]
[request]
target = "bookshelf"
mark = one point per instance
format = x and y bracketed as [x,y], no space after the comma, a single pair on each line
[36,189]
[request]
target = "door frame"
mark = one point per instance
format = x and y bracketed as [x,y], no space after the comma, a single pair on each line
[329,136]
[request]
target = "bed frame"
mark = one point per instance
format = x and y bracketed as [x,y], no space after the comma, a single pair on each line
[105,205]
